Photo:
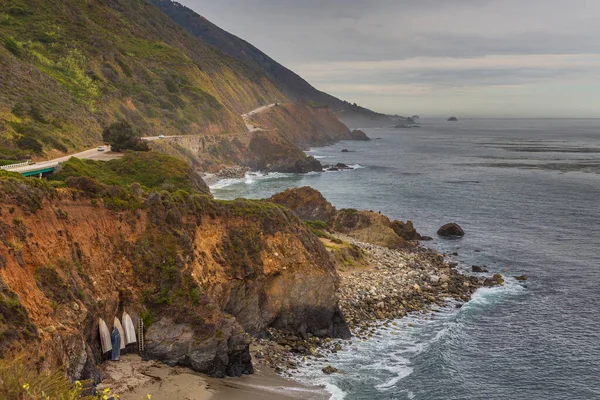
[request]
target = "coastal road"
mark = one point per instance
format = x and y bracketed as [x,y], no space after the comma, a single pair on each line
[91,154]
[94,154]
[152,138]
[251,127]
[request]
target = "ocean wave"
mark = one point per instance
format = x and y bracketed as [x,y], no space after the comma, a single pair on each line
[225,182]
[386,359]
[248,179]
[485,296]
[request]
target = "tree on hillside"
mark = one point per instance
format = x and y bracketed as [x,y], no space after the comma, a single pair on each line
[122,135]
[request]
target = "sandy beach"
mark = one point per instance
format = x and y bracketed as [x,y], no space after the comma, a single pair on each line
[133,379]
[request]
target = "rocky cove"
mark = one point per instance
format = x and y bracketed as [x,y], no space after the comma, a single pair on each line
[210,279]
[379,284]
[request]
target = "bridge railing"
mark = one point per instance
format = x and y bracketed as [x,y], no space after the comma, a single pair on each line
[11,166]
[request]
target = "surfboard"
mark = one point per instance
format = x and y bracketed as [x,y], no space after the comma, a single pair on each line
[104,336]
[119,327]
[129,329]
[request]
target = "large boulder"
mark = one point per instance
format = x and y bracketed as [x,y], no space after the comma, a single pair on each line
[225,353]
[307,203]
[451,230]
[308,164]
[357,134]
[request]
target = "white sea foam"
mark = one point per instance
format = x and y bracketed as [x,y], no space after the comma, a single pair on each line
[249,179]
[356,166]
[226,182]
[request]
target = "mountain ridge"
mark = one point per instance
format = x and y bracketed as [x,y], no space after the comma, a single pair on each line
[290,83]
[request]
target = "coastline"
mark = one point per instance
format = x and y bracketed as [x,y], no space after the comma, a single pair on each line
[132,378]
[382,287]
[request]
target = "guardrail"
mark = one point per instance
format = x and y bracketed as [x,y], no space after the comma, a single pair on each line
[11,166]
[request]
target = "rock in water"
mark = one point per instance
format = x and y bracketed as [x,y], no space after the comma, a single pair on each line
[521,277]
[329,370]
[452,119]
[451,230]
[357,134]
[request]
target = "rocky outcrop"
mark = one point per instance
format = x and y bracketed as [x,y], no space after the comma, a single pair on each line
[202,274]
[452,119]
[405,230]
[260,150]
[451,230]
[307,203]
[371,227]
[357,134]
[303,123]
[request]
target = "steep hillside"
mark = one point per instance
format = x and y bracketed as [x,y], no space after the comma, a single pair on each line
[287,81]
[201,273]
[259,150]
[69,67]
[282,131]
[304,124]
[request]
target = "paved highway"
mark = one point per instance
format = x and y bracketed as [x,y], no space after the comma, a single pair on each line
[246,117]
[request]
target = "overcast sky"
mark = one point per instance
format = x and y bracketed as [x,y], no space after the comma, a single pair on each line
[432,57]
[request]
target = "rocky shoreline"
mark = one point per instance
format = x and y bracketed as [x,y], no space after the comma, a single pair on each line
[390,284]
[235,172]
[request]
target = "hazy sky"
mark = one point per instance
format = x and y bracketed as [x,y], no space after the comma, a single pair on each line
[432,57]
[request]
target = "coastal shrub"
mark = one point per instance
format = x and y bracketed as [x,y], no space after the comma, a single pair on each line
[52,285]
[317,224]
[13,46]
[14,321]
[19,382]
[27,193]
[121,135]
[147,318]
[29,143]
[149,170]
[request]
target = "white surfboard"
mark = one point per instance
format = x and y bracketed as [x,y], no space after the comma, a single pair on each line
[104,336]
[129,329]
[119,327]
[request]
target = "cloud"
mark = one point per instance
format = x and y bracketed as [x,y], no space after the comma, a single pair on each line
[461,49]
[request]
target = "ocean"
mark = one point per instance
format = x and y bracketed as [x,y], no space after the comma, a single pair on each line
[527,194]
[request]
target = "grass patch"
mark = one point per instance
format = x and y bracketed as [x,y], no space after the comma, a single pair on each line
[151,170]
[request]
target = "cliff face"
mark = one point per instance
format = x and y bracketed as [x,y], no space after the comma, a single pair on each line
[258,150]
[201,273]
[284,130]
[304,124]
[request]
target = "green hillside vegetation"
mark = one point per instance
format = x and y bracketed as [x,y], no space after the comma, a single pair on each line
[71,67]
[286,80]
[149,169]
